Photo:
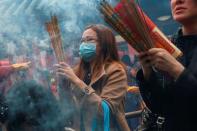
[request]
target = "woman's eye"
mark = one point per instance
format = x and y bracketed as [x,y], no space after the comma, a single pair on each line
[90,39]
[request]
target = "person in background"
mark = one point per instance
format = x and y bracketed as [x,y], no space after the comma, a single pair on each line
[6,69]
[170,91]
[132,68]
[99,81]
[133,97]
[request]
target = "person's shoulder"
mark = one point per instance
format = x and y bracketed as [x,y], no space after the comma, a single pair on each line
[114,66]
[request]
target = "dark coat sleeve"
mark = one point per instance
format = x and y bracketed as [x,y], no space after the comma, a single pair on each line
[151,90]
[157,89]
[186,84]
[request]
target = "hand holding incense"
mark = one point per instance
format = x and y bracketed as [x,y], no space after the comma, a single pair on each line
[128,19]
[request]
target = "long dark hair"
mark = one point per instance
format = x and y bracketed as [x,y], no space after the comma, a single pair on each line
[106,50]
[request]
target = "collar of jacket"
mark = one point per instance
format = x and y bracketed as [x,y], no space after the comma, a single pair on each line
[179,34]
[103,72]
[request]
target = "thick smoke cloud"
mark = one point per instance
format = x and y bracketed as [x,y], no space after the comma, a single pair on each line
[22,21]
[22,28]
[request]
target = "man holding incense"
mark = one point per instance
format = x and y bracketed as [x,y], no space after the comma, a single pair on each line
[169,85]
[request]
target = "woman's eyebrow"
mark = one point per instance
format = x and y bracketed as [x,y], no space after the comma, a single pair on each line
[88,37]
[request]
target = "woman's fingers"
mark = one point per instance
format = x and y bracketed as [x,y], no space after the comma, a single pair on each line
[61,73]
[64,64]
[60,70]
[57,66]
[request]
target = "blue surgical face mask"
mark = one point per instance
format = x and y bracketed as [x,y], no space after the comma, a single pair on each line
[87,51]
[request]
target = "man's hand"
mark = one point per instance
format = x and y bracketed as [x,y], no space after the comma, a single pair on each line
[164,61]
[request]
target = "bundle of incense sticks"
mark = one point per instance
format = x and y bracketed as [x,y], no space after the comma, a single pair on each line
[128,19]
[55,36]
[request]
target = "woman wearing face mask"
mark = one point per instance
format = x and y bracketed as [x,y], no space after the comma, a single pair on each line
[171,91]
[99,80]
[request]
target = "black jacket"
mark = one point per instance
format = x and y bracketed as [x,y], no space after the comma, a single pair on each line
[175,100]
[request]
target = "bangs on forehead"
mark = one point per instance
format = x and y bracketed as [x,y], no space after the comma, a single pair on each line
[98,26]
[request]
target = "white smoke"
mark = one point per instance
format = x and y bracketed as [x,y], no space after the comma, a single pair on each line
[19,18]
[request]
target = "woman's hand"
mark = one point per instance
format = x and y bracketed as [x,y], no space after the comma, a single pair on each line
[164,61]
[66,71]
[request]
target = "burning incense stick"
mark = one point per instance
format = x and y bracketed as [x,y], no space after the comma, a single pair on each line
[118,24]
[128,19]
[55,36]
